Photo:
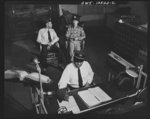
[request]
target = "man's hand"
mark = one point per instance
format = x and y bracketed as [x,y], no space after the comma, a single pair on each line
[49,46]
[87,85]
[76,38]
[62,94]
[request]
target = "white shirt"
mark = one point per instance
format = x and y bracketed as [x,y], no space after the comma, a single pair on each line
[70,75]
[43,36]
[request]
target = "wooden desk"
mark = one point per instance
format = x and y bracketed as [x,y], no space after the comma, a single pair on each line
[52,105]
[130,42]
[122,65]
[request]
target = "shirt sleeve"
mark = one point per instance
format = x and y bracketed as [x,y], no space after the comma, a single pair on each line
[39,37]
[82,36]
[55,37]
[90,73]
[68,33]
[64,79]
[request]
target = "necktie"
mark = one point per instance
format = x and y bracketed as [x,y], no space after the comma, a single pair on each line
[79,78]
[49,36]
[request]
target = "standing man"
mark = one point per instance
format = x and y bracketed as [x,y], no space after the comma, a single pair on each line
[75,35]
[76,74]
[48,39]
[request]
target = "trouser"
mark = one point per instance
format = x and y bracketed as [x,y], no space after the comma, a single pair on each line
[74,46]
[44,53]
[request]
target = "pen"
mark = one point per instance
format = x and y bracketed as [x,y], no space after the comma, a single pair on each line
[97,98]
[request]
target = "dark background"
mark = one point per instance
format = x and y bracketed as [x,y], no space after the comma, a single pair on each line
[103,36]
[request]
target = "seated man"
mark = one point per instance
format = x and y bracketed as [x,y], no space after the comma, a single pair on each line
[76,74]
[48,39]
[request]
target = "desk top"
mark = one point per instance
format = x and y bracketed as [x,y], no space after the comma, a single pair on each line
[52,105]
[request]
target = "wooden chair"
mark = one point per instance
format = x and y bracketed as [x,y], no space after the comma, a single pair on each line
[52,58]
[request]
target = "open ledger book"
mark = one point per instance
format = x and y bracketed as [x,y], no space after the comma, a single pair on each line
[94,96]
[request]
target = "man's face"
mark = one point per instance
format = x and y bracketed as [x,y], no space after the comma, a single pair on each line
[78,64]
[75,22]
[49,24]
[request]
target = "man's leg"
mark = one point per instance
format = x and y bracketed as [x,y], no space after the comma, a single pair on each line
[61,56]
[71,45]
[44,53]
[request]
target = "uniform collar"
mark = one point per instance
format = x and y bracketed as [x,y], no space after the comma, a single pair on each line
[75,27]
[48,29]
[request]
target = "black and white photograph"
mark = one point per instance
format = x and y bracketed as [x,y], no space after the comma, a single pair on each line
[74,58]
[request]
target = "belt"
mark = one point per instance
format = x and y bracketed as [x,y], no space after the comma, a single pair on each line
[74,40]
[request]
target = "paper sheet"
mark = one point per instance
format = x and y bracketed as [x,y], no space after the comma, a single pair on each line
[89,99]
[71,105]
[94,96]
[100,94]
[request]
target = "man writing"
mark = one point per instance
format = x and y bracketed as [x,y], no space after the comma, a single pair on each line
[77,74]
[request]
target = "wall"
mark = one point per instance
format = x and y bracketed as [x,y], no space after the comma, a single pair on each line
[69,7]
[93,15]
[139,8]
